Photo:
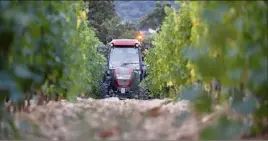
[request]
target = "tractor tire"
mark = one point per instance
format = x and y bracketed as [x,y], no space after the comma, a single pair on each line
[104,90]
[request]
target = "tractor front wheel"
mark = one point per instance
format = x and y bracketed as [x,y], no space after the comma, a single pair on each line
[104,90]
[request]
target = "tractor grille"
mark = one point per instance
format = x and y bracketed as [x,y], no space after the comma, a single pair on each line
[123,82]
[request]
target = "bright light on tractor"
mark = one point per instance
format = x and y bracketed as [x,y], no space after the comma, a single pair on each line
[139,37]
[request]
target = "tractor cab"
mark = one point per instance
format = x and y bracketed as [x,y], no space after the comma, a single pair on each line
[124,53]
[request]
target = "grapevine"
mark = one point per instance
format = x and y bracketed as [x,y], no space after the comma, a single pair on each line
[47,46]
[207,41]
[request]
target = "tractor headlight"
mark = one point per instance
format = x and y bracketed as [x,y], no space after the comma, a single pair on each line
[137,71]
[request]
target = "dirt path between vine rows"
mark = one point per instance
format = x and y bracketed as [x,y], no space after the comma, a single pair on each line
[110,119]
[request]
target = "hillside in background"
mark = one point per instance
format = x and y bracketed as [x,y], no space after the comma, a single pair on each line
[132,11]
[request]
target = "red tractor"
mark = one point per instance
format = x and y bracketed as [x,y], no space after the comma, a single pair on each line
[125,69]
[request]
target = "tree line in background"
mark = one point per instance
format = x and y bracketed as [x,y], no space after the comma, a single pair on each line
[106,23]
[155,18]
